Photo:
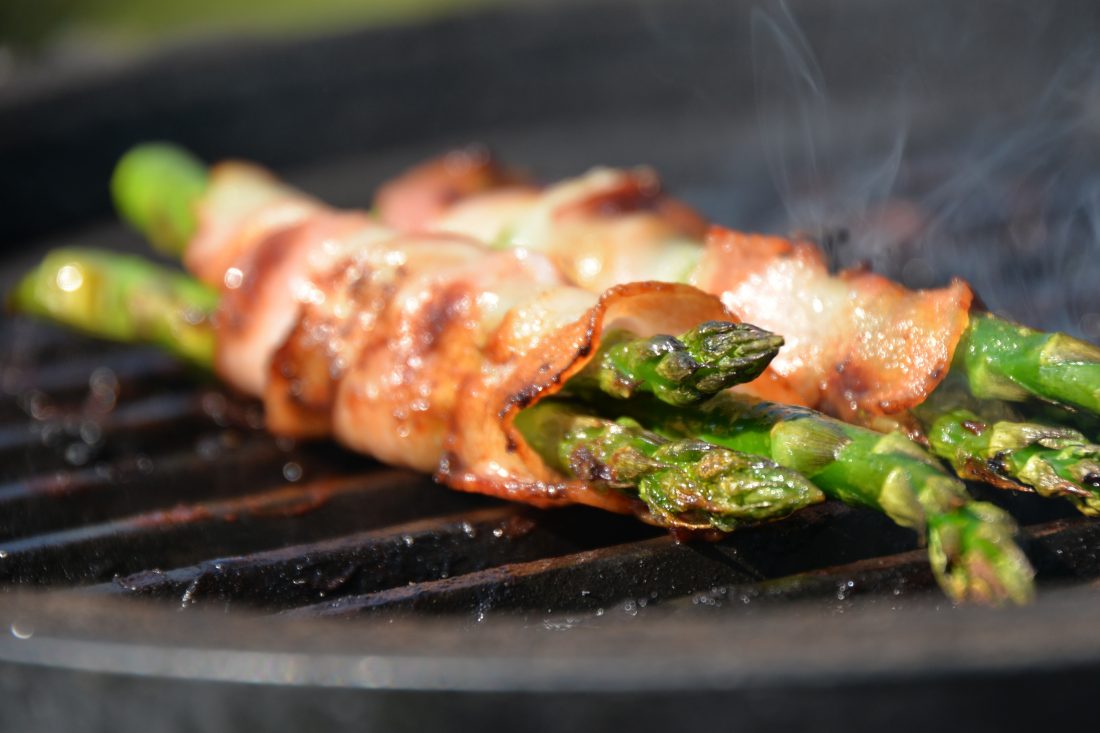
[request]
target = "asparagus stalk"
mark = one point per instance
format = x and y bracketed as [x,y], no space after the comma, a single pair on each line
[1053,461]
[155,187]
[121,298]
[1009,445]
[970,544]
[685,483]
[1006,361]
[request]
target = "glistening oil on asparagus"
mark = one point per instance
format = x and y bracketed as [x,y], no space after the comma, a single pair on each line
[121,298]
[1054,461]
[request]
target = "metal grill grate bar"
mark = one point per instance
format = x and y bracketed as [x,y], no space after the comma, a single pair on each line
[57,500]
[142,425]
[653,568]
[369,561]
[193,532]
[660,571]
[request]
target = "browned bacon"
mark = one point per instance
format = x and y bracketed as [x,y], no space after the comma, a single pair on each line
[416,348]
[859,346]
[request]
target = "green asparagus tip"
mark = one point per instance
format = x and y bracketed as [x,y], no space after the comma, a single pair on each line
[685,483]
[1053,461]
[701,485]
[683,370]
[729,351]
[155,187]
[975,557]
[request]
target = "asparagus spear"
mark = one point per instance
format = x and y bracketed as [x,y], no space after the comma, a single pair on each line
[685,483]
[1007,361]
[970,544]
[155,187]
[1008,445]
[122,298]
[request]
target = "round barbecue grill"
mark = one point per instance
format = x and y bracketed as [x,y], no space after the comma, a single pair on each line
[168,564]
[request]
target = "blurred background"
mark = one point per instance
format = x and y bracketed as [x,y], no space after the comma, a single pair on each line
[924,138]
[43,28]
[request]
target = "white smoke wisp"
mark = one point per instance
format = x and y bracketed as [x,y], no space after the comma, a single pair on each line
[924,187]
[1018,211]
[826,191]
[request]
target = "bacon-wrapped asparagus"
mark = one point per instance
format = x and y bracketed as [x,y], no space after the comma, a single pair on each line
[858,346]
[425,350]
[126,298]
[500,437]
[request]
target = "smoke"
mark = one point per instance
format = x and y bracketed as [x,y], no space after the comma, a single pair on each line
[825,191]
[1018,213]
[996,181]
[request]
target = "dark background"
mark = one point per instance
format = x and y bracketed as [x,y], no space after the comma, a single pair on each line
[944,138]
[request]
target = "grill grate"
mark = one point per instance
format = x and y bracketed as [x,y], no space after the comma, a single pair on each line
[180,497]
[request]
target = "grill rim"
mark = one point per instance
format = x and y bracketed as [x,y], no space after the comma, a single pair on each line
[784,648]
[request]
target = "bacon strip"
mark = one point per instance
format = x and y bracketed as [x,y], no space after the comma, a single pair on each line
[423,193]
[418,349]
[859,346]
[485,452]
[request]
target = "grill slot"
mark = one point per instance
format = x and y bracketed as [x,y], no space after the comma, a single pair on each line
[650,570]
[133,428]
[65,378]
[363,562]
[60,499]
[187,533]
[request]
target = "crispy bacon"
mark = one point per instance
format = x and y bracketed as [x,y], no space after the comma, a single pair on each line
[544,343]
[423,193]
[243,205]
[418,348]
[859,346]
